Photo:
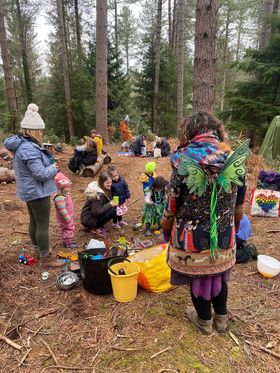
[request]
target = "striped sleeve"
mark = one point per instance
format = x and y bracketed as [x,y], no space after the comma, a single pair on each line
[60,206]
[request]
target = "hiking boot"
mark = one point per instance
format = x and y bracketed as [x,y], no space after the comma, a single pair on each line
[221,323]
[49,261]
[70,245]
[204,325]
[35,252]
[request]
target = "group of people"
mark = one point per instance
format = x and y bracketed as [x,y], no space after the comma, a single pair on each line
[199,209]
[137,146]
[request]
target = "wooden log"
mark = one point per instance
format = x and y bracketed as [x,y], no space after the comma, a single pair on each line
[7,175]
[91,171]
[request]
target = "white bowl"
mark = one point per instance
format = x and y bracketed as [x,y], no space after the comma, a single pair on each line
[268,266]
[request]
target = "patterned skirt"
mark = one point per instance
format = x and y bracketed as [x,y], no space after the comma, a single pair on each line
[152,214]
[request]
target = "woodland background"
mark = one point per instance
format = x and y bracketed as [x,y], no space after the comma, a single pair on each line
[151,51]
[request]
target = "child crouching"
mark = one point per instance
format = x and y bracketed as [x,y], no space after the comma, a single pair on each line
[65,210]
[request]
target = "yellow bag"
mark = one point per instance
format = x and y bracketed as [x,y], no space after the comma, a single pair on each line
[154,273]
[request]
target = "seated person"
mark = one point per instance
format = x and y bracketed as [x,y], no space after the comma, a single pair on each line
[99,142]
[163,145]
[89,151]
[138,147]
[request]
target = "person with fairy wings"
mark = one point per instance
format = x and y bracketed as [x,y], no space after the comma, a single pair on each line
[203,209]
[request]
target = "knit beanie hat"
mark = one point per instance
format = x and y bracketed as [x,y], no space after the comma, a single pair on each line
[32,119]
[61,181]
[150,167]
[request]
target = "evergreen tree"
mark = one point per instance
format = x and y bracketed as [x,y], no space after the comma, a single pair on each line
[255,102]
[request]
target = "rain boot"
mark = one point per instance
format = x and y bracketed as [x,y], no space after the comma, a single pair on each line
[221,323]
[204,325]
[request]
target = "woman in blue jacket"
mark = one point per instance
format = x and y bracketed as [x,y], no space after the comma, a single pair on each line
[34,180]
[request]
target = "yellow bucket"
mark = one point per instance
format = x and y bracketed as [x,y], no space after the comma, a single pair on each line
[124,285]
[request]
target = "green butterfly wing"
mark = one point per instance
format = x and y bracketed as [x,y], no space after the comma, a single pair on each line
[234,167]
[196,179]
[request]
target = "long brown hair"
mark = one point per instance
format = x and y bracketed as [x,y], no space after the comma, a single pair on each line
[104,176]
[200,122]
[89,145]
[35,135]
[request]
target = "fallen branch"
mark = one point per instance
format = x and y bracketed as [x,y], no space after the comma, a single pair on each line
[24,357]
[136,200]
[21,232]
[67,368]
[10,342]
[160,352]
[269,352]
[273,231]
[51,352]
[38,316]
[126,349]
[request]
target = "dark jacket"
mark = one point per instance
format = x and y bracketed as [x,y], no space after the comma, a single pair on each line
[137,145]
[120,188]
[90,158]
[96,205]
[164,146]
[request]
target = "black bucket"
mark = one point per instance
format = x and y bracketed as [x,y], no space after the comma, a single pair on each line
[94,273]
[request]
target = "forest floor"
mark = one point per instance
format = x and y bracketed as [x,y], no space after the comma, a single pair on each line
[75,331]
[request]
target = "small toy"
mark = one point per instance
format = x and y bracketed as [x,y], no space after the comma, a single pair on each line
[147,243]
[26,259]
[45,276]
[157,232]
[67,255]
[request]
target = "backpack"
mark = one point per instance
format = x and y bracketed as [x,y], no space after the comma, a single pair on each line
[75,162]
[245,252]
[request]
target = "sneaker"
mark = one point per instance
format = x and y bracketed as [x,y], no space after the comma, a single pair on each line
[122,223]
[116,225]
[70,245]
[148,232]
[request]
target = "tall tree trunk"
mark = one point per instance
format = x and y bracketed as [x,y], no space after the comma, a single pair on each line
[101,69]
[205,55]
[78,31]
[180,61]
[239,32]
[65,66]
[268,7]
[225,58]
[11,95]
[169,24]
[27,79]
[174,28]
[116,28]
[157,67]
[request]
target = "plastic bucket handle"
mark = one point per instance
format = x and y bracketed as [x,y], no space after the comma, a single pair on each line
[112,261]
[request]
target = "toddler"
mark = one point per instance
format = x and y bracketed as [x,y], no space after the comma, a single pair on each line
[154,206]
[119,188]
[149,176]
[65,210]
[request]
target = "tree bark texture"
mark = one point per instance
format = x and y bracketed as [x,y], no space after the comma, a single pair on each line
[225,59]
[180,61]
[205,55]
[101,69]
[26,73]
[268,7]
[116,27]
[169,24]
[174,28]
[65,67]
[78,31]
[11,95]
[157,67]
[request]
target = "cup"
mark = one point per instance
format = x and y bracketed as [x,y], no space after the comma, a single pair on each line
[52,160]
[116,199]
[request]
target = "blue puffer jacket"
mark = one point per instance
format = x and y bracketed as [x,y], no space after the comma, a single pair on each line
[120,188]
[34,173]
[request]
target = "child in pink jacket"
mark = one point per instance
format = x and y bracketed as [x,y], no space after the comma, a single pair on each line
[65,210]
